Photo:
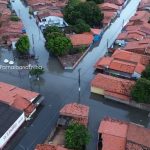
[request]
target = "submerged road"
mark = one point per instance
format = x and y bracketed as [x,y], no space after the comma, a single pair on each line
[60,87]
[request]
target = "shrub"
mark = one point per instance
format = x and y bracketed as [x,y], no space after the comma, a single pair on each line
[36,71]
[141,91]
[76,136]
[23,45]
[14,18]
[146,73]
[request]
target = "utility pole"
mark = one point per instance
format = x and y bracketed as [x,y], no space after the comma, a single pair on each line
[33,44]
[79,89]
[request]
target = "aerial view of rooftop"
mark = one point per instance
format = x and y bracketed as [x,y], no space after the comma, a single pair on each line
[74,74]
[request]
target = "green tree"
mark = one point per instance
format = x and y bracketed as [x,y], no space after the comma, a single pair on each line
[23,45]
[58,44]
[146,73]
[14,18]
[51,29]
[81,26]
[97,1]
[87,11]
[76,136]
[141,91]
[36,71]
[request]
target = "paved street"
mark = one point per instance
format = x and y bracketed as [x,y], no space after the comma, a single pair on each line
[60,87]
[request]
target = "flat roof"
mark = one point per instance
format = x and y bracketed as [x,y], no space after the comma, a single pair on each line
[8,115]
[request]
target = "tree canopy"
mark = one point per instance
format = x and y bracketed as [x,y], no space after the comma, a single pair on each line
[81,27]
[76,136]
[146,73]
[141,91]
[51,29]
[97,1]
[36,71]
[23,45]
[87,11]
[58,44]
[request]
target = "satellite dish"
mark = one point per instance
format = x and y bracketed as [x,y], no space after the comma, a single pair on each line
[11,62]
[6,60]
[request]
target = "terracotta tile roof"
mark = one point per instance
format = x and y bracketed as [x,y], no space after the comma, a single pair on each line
[141,47]
[43,14]
[114,134]
[145,28]
[139,68]
[75,110]
[141,16]
[117,2]
[144,3]
[4,2]
[122,66]
[113,127]
[78,111]
[119,135]
[119,65]
[81,39]
[17,97]
[95,31]
[131,57]
[49,147]
[108,6]
[118,96]
[134,35]
[103,62]
[133,27]
[36,2]
[138,135]
[113,143]
[107,16]
[113,84]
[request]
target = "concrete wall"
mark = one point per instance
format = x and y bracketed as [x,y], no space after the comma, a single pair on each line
[97,90]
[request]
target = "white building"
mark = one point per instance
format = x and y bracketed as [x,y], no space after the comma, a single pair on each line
[52,21]
[10,121]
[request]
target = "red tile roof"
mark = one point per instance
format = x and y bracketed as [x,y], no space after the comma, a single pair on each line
[81,39]
[145,28]
[43,14]
[95,31]
[49,147]
[107,16]
[113,127]
[114,134]
[141,16]
[119,65]
[144,3]
[122,66]
[108,7]
[133,27]
[131,57]
[138,135]
[113,85]
[17,97]
[78,111]
[141,47]
[119,135]
[131,35]
[117,2]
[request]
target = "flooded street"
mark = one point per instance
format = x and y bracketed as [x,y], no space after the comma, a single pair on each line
[60,87]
